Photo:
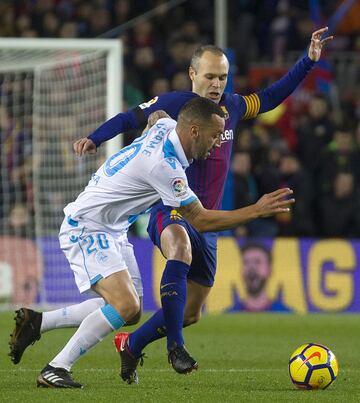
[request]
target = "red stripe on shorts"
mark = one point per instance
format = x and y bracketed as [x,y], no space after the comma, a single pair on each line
[159,222]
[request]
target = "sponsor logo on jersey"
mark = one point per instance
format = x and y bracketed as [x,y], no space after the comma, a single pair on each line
[227,135]
[148,104]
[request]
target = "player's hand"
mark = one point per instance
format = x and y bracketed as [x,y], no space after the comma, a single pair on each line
[274,202]
[317,43]
[154,117]
[84,146]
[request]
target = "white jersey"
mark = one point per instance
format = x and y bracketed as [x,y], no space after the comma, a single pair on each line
[135,178]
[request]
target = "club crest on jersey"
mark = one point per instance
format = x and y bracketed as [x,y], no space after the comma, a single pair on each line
[179,187]
[174,215]
[148,104]
[226,113]
[101,257]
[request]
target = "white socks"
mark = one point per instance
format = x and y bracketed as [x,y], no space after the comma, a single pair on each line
[92,330]
[70,316]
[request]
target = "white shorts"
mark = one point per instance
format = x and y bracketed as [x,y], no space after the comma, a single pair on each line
[94,254]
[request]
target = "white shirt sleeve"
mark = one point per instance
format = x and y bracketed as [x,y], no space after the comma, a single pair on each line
[169,180]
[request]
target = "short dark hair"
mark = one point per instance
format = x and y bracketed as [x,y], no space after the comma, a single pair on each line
[201,50]
[200,108]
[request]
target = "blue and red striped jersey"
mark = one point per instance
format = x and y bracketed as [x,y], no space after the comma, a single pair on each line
[207,178]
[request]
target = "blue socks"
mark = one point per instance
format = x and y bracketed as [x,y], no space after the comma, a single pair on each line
[173,299]
[153,329]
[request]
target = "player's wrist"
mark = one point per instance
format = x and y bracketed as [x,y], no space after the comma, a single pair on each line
[94,142]
[250,213]
[308,60]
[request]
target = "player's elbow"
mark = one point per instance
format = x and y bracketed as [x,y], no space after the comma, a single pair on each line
[201,219]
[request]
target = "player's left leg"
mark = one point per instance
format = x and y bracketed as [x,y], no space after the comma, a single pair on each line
[178,240]
[176,247]
[199,282]
[196,298]
[130,346]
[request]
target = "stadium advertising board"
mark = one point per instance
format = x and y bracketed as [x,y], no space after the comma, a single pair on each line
[299,275]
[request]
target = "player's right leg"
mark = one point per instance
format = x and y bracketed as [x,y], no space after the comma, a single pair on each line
[26,332]
[122,304]
[103,269]
[30,325]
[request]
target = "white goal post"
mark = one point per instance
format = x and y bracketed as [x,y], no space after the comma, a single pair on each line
[52,91]
[114,67]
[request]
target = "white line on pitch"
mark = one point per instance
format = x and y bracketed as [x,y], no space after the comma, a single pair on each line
[235,370]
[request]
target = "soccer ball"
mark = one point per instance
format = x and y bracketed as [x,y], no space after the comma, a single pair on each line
[313,366]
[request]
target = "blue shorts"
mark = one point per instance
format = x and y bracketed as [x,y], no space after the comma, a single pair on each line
[204,245]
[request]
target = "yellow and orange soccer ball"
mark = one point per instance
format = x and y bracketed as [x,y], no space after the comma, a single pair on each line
[313,366]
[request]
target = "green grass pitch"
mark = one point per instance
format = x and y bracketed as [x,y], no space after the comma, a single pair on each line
[242,358]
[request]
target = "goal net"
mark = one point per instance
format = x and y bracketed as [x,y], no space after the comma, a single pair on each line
[51,93]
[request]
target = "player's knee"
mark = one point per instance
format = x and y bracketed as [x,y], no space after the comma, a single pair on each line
[133,309]
[128,308]
[191,318]
[135,319]
[181,251]
[175,244]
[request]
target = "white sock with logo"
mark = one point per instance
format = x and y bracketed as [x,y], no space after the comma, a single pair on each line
[92,330]
[69,316]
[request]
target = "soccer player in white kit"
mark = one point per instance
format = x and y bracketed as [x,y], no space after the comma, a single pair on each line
[126,185]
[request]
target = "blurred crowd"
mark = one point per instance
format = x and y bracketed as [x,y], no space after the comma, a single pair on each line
[311,143]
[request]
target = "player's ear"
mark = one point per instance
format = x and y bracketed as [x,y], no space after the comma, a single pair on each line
[194,131]
[192,73]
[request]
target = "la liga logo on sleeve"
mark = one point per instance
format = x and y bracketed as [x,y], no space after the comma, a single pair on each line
[179,187]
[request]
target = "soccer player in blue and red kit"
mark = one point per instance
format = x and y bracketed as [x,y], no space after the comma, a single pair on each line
[191,256]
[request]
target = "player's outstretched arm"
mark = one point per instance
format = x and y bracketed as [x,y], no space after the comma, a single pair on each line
[86,146]
[204,220]
[272,96]
[118,124]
